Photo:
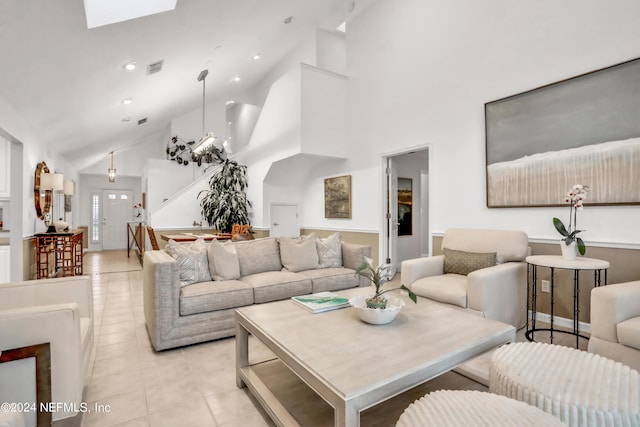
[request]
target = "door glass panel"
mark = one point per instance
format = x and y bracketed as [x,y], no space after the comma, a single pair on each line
[95,218]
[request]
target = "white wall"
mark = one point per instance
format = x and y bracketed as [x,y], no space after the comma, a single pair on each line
[427,76]
[164,178]
[16,129]
[323,112]
[331,51]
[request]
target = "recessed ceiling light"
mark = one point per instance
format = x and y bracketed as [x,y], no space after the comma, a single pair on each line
[229,102]
[127,101]
[256,57]
[236,79]
[126,119]
[129,66]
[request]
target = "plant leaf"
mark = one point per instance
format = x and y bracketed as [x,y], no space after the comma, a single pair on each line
[582,249]
[411,294]
[560,227]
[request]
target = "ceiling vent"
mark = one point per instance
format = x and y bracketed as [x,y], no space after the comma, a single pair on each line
[142,121]
[155,67]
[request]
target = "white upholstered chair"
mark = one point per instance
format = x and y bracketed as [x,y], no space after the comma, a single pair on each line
[615,322]
[482,270]
[55,311]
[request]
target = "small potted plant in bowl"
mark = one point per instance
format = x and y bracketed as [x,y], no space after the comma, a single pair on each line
[378,276]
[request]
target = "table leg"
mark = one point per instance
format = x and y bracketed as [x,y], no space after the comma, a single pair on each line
[551,316]
[242,352]
[526,306]
[576,306]
[346,416]
[534,294]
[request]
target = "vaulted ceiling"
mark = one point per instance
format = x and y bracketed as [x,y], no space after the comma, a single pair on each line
[68,81]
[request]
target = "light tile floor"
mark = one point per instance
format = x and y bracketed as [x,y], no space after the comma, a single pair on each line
[189,386]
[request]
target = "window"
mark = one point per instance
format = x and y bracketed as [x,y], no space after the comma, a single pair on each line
[95,217]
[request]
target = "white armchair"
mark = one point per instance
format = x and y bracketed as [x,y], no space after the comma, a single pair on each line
[615,322]
[55,311]
[481,271]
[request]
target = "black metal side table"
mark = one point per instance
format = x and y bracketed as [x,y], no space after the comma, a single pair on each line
[554,262]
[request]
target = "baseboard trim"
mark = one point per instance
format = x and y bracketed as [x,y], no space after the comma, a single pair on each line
[561,321]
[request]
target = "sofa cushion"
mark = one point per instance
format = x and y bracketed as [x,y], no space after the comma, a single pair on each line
[329,251]
[277,285]
[223,261]
[331,279]
[461,262]
[257,256]
[193,264]
[448,288]
[629,332]
[211,296]
[297,254]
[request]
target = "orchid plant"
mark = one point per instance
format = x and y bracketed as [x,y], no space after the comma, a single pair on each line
[575,197]
[378,277]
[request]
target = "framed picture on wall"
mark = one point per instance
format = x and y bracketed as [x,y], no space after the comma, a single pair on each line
[337,197]
[584,130]
[405,206]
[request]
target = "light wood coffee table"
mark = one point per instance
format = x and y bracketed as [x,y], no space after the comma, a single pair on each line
[353,365]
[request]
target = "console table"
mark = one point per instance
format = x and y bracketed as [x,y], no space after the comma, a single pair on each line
[554,262]
[58,254]
[136,237]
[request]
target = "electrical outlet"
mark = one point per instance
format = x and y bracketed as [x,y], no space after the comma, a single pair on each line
[545,286]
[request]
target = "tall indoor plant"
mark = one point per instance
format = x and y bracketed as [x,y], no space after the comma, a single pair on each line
[225,202]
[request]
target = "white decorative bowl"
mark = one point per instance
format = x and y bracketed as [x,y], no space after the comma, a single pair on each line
[376,316]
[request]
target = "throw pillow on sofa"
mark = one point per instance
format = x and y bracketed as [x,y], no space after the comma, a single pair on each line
[258,256]
[223,261]
[329,251]
[192,260]
[299,253]
[461,262]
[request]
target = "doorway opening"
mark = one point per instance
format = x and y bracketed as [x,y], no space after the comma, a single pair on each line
[405,217]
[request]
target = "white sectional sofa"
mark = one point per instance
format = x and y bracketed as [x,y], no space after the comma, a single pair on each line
[244,273]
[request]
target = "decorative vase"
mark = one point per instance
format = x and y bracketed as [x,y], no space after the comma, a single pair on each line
[377,316]
[569,251]
[60,225]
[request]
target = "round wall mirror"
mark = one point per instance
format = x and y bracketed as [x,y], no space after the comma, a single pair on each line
[41,199]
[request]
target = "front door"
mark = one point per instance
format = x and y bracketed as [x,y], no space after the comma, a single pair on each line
[117,209]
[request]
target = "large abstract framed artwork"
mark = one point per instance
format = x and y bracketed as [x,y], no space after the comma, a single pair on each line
[337,197]
[405,204]
[584,130]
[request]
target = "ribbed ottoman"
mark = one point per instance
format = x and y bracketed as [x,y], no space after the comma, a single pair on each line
[463,408]
[580,388]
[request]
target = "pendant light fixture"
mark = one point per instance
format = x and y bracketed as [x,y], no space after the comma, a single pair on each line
[112,171]
[207,139]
